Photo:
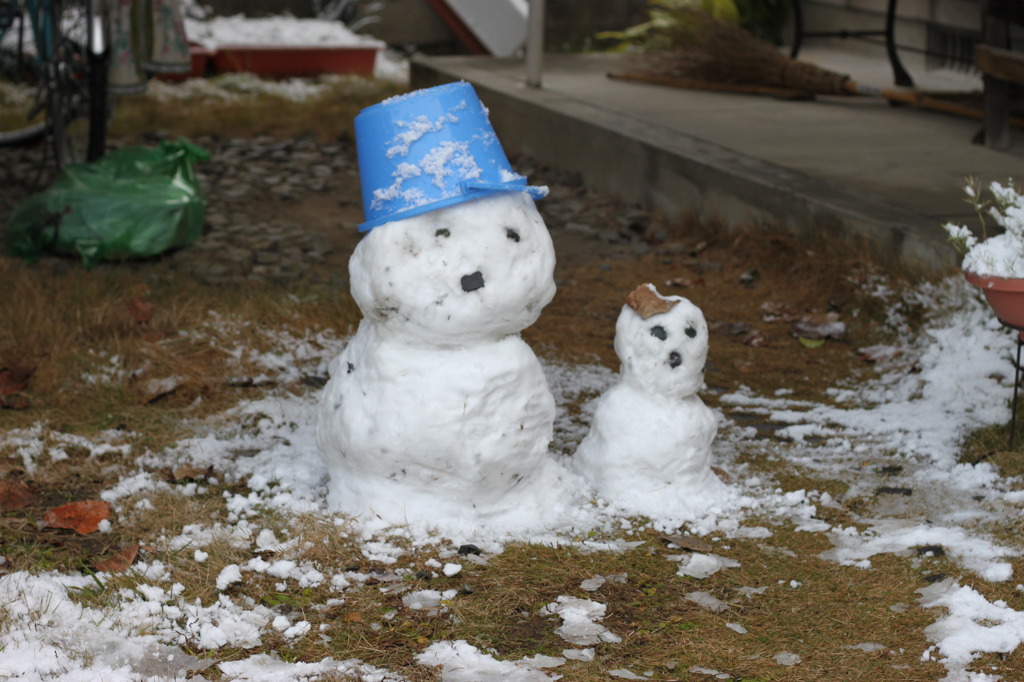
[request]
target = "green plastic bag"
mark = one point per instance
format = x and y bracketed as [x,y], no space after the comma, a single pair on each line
[132,203]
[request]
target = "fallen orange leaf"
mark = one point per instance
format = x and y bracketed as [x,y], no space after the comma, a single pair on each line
[82,517]
[123,559]
[722,474]
[354,617]
[15,401]
[14,379]
[140,309]
[189,472]
[15,495]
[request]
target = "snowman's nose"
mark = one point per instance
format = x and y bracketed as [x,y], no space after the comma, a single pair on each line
[473,282]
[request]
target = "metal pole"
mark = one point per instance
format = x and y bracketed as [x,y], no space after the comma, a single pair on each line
[535,44]
[1016,384]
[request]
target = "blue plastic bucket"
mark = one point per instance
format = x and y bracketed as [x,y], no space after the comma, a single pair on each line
[430,149]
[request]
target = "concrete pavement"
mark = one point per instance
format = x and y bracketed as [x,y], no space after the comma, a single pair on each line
[839,168]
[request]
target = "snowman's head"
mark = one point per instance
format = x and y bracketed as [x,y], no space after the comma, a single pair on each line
[478,270]
[662,342]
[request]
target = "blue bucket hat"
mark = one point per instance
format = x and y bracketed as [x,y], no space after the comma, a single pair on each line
[430,149]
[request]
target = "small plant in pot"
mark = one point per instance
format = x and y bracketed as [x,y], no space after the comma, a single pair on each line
[995,263]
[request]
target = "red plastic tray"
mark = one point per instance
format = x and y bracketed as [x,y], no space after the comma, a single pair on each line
[295,61]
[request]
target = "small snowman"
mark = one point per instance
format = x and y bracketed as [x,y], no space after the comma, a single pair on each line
[437,409]
[648,450]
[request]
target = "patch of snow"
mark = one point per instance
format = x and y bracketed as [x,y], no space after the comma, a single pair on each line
[269,668]
[460,661]
[707,600]
[697,565]
[972,626]
[869,647]
[899,536]
[277,31]
[585,655]
[786,658]
[580,621]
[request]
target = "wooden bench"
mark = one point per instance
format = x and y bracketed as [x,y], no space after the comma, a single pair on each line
[1001,69]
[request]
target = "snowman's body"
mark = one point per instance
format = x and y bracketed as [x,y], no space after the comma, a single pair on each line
[437,407]
[641,445]
[649,445]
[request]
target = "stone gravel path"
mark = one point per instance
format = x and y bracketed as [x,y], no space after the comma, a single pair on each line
[287,209]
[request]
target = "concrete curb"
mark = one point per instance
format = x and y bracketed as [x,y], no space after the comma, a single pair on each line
[669,171]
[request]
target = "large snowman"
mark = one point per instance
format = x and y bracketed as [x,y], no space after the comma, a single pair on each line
[648,450]
[437,409]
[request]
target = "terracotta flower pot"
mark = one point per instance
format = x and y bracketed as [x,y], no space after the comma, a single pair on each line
[1006,296]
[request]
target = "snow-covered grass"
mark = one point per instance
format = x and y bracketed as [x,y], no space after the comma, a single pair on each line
[860,544]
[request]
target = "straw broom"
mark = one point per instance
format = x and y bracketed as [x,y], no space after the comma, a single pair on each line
[706,49]
[711,54]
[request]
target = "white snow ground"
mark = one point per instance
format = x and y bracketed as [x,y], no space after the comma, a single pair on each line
[950,377]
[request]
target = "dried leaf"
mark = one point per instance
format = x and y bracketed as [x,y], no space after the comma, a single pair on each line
[354,617]
[15,401]
[690,542]
[123,559]
[772,311]
[646,301]
[722,474]
[744,367]
[15,495]
[140,309]
[14,379]
[684,283]
[82,517]
[755,339]
[187,472]
[730,328]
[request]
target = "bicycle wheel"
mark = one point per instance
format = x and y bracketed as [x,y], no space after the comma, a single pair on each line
[77,75]
[22,89]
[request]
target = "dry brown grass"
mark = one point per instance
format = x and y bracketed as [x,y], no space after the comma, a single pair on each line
[326,117]
[66,322]
[806,280]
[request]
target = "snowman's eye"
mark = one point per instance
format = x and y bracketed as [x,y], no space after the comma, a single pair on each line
[659,332]
[691,332]
[443,232]
[512,234]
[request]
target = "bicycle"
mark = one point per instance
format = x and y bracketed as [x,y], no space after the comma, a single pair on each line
[53,74]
